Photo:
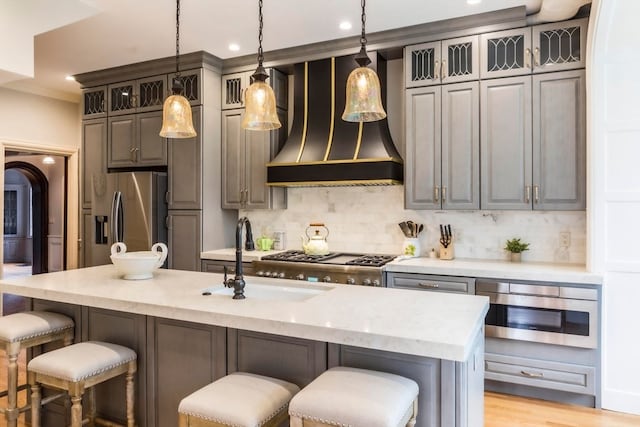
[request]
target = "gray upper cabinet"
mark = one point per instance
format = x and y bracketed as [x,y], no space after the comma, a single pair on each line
[185,169]
[134,141]
[233,87]
[244,158]
[541,48]
[533,142]
[505,53]
[140,95]
[559,46]
[442,140]
[94,102]
[559,142]
[94,153]
[191,85]
[505,143]
[448,61]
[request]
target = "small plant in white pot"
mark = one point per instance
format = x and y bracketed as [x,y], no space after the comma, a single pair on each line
[516,247]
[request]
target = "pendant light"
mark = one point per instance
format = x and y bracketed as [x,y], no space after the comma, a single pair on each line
[363,102]
[177,121]
[260,101]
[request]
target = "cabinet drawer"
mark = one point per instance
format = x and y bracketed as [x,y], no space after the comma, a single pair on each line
[540,373]
[463,285]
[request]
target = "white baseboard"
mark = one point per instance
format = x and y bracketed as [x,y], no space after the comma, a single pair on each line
[621,401]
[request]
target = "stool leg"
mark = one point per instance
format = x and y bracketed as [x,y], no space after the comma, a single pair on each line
[68,338]
[412,420]
[183,420]
[35,404]
[76,410]
[130,394]
[295,421]
[91,410]
[11,413]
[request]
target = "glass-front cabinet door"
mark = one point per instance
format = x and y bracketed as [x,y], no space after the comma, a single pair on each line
[459,60]
[559,46]
[422,67]
[505,53]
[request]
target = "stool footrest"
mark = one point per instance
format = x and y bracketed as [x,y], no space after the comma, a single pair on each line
[21,387]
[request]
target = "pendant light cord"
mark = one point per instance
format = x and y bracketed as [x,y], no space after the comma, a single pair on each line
[177,38]
[260,53]
[363,38]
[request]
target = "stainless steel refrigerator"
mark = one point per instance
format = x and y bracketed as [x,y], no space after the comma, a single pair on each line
[131,208]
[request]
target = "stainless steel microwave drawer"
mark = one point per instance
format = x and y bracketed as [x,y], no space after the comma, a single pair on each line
[540,373]
[422,282]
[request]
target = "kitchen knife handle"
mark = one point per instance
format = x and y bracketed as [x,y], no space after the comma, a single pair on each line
[527,58]
[436,193]
[436,70]
[527,193]
[536,193]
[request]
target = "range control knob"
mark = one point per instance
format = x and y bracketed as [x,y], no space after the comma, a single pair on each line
[300,276]
[366,282]
[351,281]
[326,279]
[267,274]
[376,282]
[260,273]
[281,275]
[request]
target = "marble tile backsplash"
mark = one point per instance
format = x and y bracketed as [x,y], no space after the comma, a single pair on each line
[365,219]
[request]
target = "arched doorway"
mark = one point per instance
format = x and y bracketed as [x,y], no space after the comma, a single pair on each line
[39,212]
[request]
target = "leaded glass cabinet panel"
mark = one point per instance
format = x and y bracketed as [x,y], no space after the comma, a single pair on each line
[423,64]
[559,46]
[94,102]
[505,53]
[460,60]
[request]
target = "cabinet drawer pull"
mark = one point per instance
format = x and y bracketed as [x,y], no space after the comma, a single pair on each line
[536,193]
[527,58]
[436,193]
[527,193]
[532,374]
[436,70]
[444,69]
[536,57]
[429,285]
[444,194]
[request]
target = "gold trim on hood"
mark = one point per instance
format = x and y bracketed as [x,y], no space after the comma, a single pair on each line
[344,183]
[322,162]
[333,108]
[306,111]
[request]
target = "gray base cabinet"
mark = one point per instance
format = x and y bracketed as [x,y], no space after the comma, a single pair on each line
[184,357]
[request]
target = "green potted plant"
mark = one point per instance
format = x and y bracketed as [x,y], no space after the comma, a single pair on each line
[516,247]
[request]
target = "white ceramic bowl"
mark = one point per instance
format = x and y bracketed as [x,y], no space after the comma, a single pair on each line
[138,265]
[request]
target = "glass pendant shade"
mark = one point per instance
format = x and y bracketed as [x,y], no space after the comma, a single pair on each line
[260,108]
[177,121]
[363,102]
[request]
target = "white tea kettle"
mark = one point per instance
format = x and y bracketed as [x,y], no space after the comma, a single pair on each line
[316,244]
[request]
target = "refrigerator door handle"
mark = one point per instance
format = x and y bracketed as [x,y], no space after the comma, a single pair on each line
[117,218]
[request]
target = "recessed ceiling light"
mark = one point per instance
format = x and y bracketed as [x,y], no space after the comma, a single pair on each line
[70,78]
[474,1]
[345,25]
[48,160]
[234,47]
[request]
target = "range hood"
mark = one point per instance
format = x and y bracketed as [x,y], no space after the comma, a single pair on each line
[323,149]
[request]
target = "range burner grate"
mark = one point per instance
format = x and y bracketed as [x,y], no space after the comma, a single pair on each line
[299,256]
[371,260]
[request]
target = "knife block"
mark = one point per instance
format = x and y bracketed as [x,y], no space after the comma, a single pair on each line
[446,253]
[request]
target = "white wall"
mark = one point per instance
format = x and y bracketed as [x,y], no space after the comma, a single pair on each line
[614,187]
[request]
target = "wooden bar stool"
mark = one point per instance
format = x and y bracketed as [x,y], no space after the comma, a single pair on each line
[24,330]
[357,398]
[79,367]
[240,399]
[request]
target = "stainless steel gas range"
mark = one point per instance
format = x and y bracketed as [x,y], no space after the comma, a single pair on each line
[336,267]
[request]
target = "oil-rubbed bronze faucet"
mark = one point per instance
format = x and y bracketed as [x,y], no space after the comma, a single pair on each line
[237,283]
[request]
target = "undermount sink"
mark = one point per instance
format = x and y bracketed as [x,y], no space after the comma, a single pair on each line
[272,292]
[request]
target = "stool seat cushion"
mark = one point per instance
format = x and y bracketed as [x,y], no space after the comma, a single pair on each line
[30,324]
[239,399]
[82,360]
[355,397]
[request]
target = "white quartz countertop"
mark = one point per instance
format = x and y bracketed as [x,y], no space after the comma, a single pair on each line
[566,273]
[229,254]
[428,324]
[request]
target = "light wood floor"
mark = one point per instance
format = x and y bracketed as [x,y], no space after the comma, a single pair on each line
[500,410]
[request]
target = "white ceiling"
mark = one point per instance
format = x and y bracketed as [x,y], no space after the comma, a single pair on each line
[77,36]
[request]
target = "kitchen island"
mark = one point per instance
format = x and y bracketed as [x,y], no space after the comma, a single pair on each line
[287,329]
